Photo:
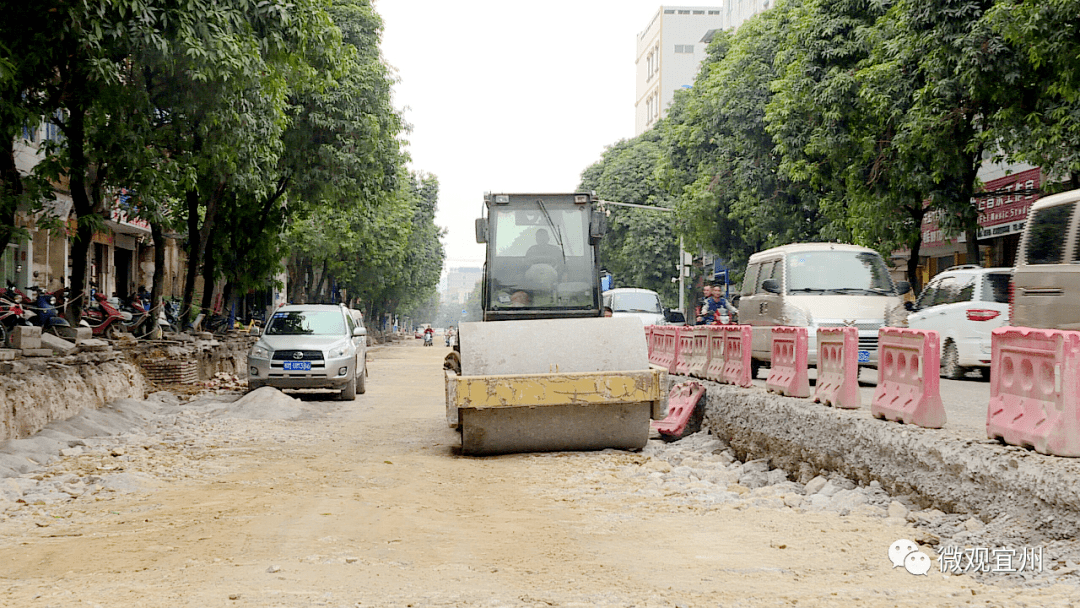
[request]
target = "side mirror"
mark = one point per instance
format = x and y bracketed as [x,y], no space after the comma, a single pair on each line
[481,230]
[909,306]
[902,287]
[359,331]
[771,285]
[597,227]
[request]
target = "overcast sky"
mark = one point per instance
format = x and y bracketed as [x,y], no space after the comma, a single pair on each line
[510,96]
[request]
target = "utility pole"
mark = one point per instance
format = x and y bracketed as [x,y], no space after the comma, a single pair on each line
[681,267]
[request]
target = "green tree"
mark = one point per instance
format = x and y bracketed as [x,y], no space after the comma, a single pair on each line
[721,161]
[641,248]
[1043,126]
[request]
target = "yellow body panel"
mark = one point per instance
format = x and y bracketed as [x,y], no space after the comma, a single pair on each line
[555,389]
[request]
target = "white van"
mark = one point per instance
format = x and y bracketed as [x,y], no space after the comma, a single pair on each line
[816,285]
[1046,280]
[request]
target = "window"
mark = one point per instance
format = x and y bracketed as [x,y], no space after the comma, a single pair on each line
[927,297]
[684,48]
[714,12]
[669,11]
[996,287]
[699,12]
[1046,234]
[769,270]
[750,280]
[684,12]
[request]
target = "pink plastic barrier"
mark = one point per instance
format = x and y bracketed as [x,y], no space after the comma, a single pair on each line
[838,367]
[790,355]
[682,403]
[699,358]
[714,369]
[909,370]
[650,339]
[686,351]
[737,355]
[653,334]
[668,347]
[1035,389]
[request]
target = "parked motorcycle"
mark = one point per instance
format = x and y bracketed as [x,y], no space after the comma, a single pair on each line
[47,315]
[11,316]
[103,318]
[140,324]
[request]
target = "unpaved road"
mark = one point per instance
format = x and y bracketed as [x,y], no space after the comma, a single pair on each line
[367,504]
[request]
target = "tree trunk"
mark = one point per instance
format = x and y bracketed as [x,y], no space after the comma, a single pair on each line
[157,235]
[194,254]
[208,269]
[10,191]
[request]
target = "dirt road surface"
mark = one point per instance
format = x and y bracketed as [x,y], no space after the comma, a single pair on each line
[367,504]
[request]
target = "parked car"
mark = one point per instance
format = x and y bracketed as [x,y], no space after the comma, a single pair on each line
[361,345]
[964,304]
[816,285]
[310,346]
[641,303]
[1046,280]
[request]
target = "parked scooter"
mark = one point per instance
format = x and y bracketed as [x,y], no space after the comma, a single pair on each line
[47,317]
[140,324]
[103,318]
[11,316]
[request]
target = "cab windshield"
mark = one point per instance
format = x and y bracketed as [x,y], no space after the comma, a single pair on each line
[838,272]
[541,257]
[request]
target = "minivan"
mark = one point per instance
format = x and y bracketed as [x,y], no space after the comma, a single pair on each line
[1046,279]
[816,285]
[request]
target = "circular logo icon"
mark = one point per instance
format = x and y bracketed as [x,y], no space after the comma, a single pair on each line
[298,355]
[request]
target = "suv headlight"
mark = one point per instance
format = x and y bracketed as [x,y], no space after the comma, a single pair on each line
[339,351]
[260,352]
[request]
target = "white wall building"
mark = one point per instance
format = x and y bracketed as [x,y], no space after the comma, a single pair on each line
[459,284]
[669,52]
[737,11]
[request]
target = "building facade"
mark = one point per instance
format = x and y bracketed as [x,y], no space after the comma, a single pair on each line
[459,284]
[669,51]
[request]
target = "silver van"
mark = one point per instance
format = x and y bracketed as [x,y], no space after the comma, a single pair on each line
[1046,279]
[816,285]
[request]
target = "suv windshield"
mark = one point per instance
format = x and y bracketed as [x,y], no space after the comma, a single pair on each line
[636,302]
[838,272]
[306,323]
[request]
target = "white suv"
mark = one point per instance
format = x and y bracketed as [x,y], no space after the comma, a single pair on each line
[309,346]
[964,304]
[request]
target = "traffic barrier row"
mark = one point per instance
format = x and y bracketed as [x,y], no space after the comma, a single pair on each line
[1035,389]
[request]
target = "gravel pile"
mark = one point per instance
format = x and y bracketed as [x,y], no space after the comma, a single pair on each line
[131,446]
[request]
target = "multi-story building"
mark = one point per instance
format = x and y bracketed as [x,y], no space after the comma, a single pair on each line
[669,52]
[737,11]
[459,284]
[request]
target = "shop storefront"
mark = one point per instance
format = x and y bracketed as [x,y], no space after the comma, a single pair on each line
[1002,209]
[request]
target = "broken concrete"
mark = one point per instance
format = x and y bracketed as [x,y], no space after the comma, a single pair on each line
[934,468]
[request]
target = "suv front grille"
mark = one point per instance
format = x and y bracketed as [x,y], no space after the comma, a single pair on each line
[306,355]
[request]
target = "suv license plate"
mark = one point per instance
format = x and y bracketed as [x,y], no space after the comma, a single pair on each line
[864,356]
[298,366]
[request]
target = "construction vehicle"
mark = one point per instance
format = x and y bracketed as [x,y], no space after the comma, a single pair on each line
[545,370]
